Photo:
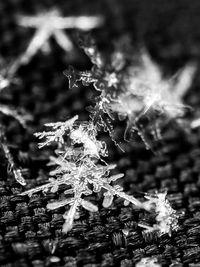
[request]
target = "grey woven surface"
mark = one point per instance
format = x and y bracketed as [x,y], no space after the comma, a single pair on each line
[30,235]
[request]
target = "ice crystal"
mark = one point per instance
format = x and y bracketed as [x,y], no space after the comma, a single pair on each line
[132,91]
[148,262]
[106,79]
[51,23]
[57,133]
[166,216]
[12,166]
[78,163]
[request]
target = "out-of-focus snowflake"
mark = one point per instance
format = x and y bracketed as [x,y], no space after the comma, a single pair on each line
[52,24]
[8,72]
[148,262]
[147,84]
[166,216]
[12,166]
[79,163]
[21,116]
[147,92]
[7,78]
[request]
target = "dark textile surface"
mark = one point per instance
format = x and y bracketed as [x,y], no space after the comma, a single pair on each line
[31,235]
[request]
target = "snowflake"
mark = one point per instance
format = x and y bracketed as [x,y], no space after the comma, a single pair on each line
[164,95]
[166,216]
[51,23]
[79,164]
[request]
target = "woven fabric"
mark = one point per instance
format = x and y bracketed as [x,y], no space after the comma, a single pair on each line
[31,235]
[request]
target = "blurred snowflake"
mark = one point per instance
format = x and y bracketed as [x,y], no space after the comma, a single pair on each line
[146,83]
[51,23]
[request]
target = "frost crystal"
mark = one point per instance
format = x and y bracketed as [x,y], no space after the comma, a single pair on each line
[79,164]
[166,217]
[148,262]
[51,23]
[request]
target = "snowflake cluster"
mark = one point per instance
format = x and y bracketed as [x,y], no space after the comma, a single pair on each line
[128,89]
[131,91]
[79,163]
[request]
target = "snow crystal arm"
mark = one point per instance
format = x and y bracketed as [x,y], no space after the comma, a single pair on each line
[29,21]
[8,71]
[84,23]
[63,40]
[39,39]
[12,166]
[53,185]
[57,135]
[184,80]
[130,199]
[58,204]
[21,118]
[43,188]
[75,75]
[69,216]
